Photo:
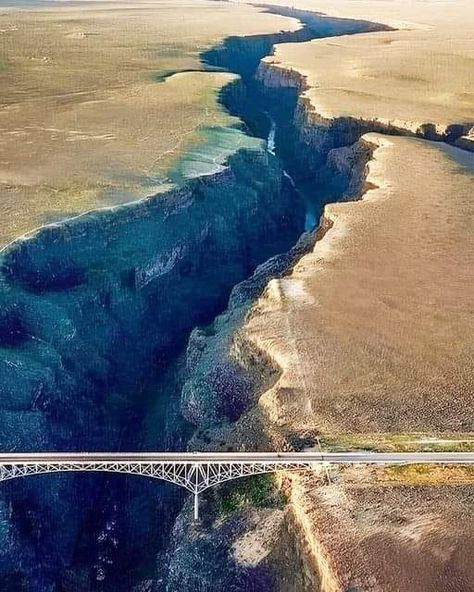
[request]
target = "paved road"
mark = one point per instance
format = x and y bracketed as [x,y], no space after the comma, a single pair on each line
[242,457]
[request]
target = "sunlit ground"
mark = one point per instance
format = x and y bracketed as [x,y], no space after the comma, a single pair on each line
[83,120]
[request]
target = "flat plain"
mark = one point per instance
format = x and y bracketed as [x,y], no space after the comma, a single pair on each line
[84,120]
[422,72]
[372,331]
[378,315]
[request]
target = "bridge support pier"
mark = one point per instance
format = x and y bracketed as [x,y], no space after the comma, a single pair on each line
[196,505]
[198,471]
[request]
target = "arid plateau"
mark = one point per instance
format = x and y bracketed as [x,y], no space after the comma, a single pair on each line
[238,227]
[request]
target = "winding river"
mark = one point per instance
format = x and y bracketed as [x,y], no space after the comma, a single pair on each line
[97,313]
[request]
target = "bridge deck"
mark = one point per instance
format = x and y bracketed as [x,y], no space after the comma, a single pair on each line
[198,471]
[240,457]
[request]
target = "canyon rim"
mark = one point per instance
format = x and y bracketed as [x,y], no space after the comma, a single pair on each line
[233,227]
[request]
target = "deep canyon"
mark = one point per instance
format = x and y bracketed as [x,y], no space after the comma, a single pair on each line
[119,330]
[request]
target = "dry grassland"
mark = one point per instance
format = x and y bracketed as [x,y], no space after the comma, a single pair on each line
[83,121]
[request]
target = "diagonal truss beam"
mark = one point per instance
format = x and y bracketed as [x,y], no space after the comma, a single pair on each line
[198,472]
[196,477]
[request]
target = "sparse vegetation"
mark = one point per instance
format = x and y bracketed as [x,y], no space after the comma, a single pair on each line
[428,474]
[84,122]
[408,442]
[258,491]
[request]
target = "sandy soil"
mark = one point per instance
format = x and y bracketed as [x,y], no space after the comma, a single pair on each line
[373,332]
[374,328]
[83,122]
[377,535]
[423,73]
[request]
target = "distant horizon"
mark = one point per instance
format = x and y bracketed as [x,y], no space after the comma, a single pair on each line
[32,3]
[236,313]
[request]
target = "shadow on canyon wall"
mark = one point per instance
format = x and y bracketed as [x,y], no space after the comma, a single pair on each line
[95,317]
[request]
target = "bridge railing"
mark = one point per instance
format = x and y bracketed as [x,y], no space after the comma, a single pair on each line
[197,472]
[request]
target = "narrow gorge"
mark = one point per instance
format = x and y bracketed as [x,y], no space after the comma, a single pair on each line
[119,331]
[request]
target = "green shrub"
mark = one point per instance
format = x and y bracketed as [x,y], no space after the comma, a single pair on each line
[258,491]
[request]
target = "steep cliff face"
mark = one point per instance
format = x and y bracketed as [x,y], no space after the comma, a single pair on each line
[91,307]
[326,163]
[225,372]
[321,133]
[326,160]
[325,157]
[95,308]
[217,390]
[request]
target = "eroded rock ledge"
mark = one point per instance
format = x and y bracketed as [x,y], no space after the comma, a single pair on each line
[91,307]
[323,133]
[232,363]
[304,402]
[226,373]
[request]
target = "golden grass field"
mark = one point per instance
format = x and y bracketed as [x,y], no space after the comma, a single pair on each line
[83,121]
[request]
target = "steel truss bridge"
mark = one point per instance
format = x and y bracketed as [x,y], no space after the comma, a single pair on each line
[199,471]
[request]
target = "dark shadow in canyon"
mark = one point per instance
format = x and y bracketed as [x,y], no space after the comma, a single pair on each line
[96,315]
